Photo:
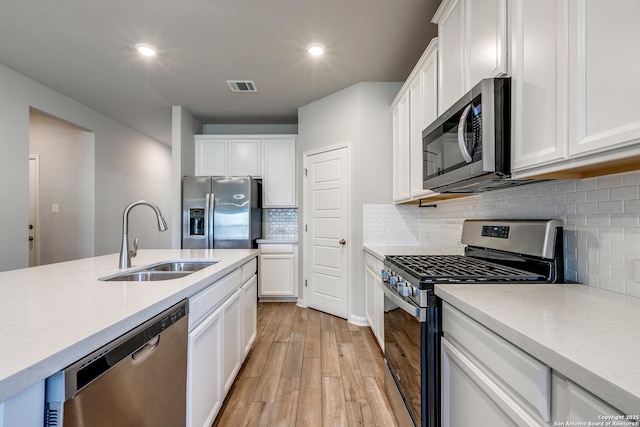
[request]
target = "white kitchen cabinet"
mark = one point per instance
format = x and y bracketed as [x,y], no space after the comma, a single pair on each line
[485,377]
[538,83]
[278,265]
[232,339]
[250,314]
[414,109]
[423,106]
[228,155]
[401,149]
[26,409]
[245,159]
[472,45]
[374,297]
[218,318]
[212,156]
[574,82]
[279,173]
[450,19]
[604,66]
[573,403]
[204,371]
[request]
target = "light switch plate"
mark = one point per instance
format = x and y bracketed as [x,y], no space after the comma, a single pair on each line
[54,208]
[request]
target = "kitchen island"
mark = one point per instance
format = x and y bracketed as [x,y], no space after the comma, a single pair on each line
[52,315]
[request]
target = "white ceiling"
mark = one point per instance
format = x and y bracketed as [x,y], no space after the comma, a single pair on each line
[84,50]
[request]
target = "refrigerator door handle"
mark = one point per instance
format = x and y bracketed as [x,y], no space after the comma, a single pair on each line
[207,215]
[211,206]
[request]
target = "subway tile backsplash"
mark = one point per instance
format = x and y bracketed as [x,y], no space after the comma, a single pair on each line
[601,219]
[280,224]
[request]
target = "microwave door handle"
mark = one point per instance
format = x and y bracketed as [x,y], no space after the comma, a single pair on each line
[462,143]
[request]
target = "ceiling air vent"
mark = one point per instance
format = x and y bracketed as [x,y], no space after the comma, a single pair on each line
[242,85]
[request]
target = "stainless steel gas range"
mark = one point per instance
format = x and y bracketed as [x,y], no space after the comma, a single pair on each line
[496,251]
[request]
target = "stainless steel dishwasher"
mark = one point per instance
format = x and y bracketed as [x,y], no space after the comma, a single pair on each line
[136,380]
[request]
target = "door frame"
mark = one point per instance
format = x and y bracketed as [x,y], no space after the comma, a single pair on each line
[305,218]
[36,205]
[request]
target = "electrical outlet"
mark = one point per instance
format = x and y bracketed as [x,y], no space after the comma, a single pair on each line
[54,208]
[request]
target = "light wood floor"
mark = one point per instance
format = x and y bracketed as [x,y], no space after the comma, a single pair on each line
[308,368]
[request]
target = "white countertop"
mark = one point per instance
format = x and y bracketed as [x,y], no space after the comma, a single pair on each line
[51,316]
[589,335]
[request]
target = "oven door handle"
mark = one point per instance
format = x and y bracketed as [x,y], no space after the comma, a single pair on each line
[419,313]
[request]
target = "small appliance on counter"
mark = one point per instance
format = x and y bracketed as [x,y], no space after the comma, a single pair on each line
[496,251]
[221,212]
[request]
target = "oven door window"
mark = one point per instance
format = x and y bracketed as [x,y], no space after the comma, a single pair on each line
[452,146]
[402,339]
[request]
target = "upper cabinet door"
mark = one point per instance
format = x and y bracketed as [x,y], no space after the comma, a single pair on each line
[279,181]
[472,45]
[423,106]
[401,149]
[452,63]
[604,66]
[538,83]
[486,39]
[211,156]
[245,157]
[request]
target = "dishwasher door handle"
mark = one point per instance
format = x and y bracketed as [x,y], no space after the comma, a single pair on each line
[139,356]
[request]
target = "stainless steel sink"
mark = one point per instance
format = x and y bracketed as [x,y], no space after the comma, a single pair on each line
[160,271]
[148,276]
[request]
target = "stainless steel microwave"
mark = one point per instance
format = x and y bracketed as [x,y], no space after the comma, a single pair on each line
[468,148]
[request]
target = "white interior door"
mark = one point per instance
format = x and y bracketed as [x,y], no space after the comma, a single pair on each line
[34,167]
[327,230]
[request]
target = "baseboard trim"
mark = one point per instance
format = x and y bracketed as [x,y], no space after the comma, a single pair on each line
[358,320]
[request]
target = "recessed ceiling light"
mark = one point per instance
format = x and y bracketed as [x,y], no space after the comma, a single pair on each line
[315,49]
[145,49]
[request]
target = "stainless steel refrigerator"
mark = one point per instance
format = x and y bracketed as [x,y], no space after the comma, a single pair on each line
[221,212]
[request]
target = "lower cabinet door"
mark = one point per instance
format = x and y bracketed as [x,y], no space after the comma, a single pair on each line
[204,371]
[572,402]
[469,395]
[250,313]
[232,350]
[277,275]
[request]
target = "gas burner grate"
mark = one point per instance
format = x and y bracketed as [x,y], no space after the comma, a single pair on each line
[452,268]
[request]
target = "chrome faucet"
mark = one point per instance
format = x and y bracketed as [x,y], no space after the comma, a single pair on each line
[125,253]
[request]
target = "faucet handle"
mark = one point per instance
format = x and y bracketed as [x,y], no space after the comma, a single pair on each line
[133,252]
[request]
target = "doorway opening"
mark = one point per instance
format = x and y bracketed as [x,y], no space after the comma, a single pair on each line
[61,187]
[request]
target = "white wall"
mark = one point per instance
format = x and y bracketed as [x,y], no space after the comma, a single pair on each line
[183,127]
[259,129]
[601,219]
[128,166]
[361,115]
[66,159]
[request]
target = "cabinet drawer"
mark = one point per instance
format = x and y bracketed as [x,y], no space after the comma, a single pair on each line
[207,300]
[276,248]
[249,269]
[527,376]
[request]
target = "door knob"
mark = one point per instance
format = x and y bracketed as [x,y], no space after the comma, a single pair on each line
[342,242]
